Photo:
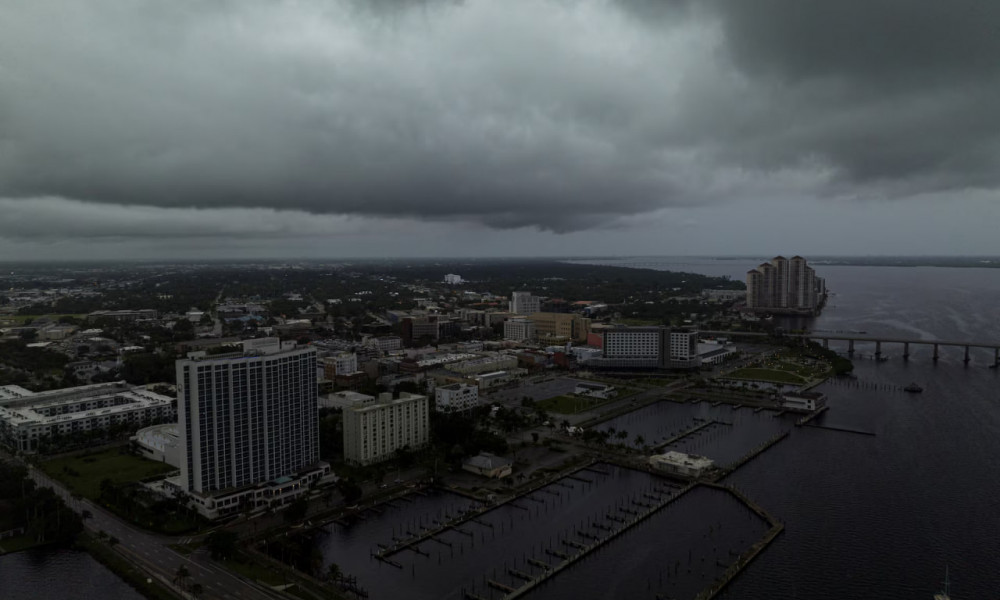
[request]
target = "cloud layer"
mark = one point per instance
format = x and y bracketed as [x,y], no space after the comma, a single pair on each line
[560,115]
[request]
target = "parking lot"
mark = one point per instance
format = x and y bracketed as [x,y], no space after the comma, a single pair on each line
[542,389]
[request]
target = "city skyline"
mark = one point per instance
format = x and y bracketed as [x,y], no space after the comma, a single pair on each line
[537,128]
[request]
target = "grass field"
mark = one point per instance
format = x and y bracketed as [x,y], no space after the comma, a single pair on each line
[83,474]
[773,375]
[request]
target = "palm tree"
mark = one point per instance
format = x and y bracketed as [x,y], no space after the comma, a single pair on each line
[639,441]
[334,572]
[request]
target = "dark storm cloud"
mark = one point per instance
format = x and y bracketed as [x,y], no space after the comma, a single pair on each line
[898,92]
[557,114]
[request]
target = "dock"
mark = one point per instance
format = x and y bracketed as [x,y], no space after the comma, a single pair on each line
[757,451]
[808,418]
[745,558]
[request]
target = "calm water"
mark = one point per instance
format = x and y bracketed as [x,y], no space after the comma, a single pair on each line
[44,574]
[675,552]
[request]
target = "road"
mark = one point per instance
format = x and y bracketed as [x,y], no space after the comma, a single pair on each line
[152,553]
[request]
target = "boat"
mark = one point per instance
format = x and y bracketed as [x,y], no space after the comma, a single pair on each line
[945,595]
[913,388]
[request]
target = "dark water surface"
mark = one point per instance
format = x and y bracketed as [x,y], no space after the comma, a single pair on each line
[45,574]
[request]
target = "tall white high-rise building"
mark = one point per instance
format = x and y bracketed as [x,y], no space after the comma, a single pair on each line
[523,303]
[248,417]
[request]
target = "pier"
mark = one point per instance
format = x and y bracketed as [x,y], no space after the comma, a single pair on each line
[688,432]
[755,453]
[843,429]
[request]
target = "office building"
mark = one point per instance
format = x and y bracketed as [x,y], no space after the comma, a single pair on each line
[248,418]
[785,286]
[452,279]
[457,397]
[341,363]
[30,419]
[523,303]
[518,330]
[375,428]
[648,347]
[563,326]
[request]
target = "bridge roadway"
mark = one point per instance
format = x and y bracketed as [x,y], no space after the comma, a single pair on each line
[878,341]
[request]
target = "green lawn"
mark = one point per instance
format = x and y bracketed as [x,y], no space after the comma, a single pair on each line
[772,375]
[83,474]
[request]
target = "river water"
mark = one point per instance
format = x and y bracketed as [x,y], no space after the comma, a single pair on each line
[47,574]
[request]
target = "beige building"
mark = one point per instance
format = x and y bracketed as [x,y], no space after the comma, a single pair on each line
[784,286]
[375,428]
[561,325]
[518,330]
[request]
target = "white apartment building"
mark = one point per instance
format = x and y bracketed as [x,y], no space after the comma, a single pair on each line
[457,397]
[247,418]
[27,418]
[374,428]
[452,279]
[518,330]
[523,303]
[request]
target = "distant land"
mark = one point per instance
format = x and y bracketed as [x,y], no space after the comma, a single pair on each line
[815,259]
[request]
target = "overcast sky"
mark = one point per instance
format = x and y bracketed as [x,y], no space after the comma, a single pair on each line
[333,128]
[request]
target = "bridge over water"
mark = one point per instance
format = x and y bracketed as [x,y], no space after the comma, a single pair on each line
[851,339]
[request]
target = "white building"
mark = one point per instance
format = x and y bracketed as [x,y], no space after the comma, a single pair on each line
[523,303]
[27,418]
[679,463]
[488,381]
[803,401]
[683,346]
[385,343]
[375,428]
[484,364]
[594,390]
[457,397]
[648,348]
[160,443]
[452,279]
[248,423]
[489,465]
[518,330]
[341,363]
